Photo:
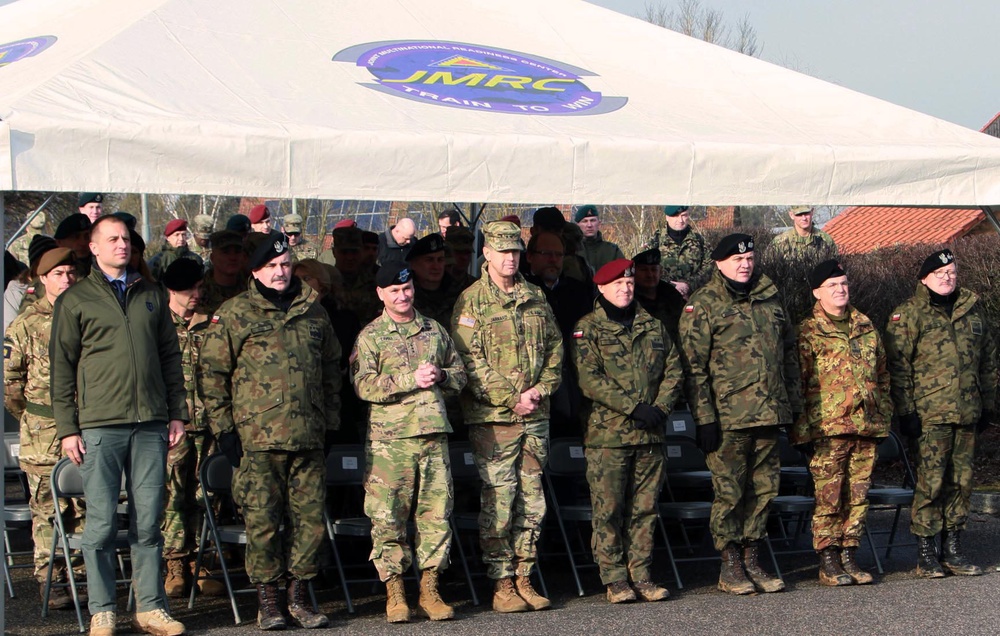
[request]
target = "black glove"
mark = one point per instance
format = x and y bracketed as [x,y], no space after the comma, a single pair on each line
[231,447]
[806,448]
[909,425]
[645,416]
[985,419]
[708,436]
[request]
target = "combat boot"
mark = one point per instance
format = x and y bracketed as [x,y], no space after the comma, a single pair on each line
[534,600]
[649,591]
[830,571]
[952,558]
[430,603]
[620,592]
[850,564]
[396,609]
[732,578]
[505,598]
[300,607]
[269,616]
[158,623]
[928,565]
[206,584]
[174,582]
[761,579]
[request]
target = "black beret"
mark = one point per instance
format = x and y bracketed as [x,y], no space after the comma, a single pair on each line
[430,244]
[239,223]
[270,246]
[548,218]
[226,238]
[732,244]
[649,257]
[130,221]
[371,238]
[584,211]
[89,197]
[935,261]
[393,273]
[183,274]
[823,271]
[610,272]
[72,224]
[137,241]
[40,244]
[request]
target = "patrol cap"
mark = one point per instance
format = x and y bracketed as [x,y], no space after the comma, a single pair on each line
[38,245]
[732,244]
[799,210]
[182,274]
[371,238]
[548,218]
[54,258]
[292,223]
[618,268]
[674,210]
[936,261]
[239,223]
[503,236]
[345,223]
[347,238]
[258,213]
[510,218]
[430,244]
[89,197]
[126,218]
[584,211]
[226,238]
[823,271]
[177,225]
[137,241]
[203,226]
[393,273]
[37,221]
[72,224]
[269,246]
[459,239]
[649,257]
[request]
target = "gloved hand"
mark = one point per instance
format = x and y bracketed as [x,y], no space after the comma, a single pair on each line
[231,447]
[806,448]
[708,436]
[646,417]
[985,419]
[909,425]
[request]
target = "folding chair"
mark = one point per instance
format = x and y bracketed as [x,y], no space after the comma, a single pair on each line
[680,423]
[891,449]
[686,461]
[568,463]
[16,513]
[67,483]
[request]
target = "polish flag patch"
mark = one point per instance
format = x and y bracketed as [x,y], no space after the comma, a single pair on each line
[215,319]
[896,317]
[578,333]
[689,309]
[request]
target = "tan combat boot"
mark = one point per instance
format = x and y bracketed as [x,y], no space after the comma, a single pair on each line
[848,560]
[505,598]
[620,592]
[649,591]
[534,600]
[831,573]
[732,578]
[396,609]
[158,623]
[430,603]
[206,584]
[174,582]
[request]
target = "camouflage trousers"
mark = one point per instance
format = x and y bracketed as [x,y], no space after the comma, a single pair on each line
[624,484]
[270,486]
[43,512]
[841,469]
[944,479]
[512,503]
[404,477]
[182,503]
[745,473]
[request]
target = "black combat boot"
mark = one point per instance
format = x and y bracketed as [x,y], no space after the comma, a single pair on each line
[952,558]
[732,578]
[269,616]
[830,571]
[300,607]
[927,561]
[761,579]
[848,560]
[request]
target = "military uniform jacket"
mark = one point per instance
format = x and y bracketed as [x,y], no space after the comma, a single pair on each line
[190,336]
[509,343]
[689,261]
[942,368]
[845,380]
[385,356]
[213,295]
[273,377]
[818,245]
[437,304]
[600,252]
[739,356]
[620,368]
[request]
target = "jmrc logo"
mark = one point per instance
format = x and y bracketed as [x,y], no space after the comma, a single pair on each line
[14,51]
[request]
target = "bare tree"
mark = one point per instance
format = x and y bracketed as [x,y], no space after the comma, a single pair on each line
[691,18]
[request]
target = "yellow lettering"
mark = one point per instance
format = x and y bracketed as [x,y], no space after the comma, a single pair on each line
[515,81]
[472,79]
[413,78]
[540,85]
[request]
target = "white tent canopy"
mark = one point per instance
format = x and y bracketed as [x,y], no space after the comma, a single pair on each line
[517,101]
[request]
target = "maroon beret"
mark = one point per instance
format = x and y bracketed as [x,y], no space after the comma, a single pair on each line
[614,270]
[345,223]
[177,225]
[258,213]
[512,218]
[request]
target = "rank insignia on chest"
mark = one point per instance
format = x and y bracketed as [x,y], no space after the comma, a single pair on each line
[466,321]
[896,317]
[689,309]
[578,333]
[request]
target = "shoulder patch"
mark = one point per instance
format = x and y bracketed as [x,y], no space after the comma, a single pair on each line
[466,321]
[896,317]
[7,351]
[30,290]
[215,319]
[578,333]
[689,309]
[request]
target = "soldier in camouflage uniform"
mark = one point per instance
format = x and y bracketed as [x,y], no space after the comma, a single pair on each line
[845,384]
[510,344]
[301,248]
[458,245]
[942,359]
[359,282]
[631,374]
[225,277]
[804,241]
[270,380]
[658,297]
[26,396]
[19,248]
[201,230]
[742,384]
[684,255]
[435,291]
[404,364]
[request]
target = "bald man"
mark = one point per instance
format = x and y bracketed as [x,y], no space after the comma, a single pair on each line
[394,243]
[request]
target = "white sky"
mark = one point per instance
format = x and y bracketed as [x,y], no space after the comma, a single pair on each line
[938,57]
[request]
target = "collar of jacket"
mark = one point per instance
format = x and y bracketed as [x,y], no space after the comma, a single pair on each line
[859,323]
[763,290]
[132,279]
[505,299]
[301,303]
[597,238]
[967,299]
[643,320]
[408,328]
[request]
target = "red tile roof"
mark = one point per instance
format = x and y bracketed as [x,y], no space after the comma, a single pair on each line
[719,217]
[993,127]
[865,228]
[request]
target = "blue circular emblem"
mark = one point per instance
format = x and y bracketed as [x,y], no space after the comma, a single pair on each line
[479,78]
[13,51]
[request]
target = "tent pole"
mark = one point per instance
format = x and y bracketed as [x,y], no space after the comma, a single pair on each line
[145,217]
[991,213]
[20,230]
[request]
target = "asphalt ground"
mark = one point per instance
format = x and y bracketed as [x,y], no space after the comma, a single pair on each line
[898,603]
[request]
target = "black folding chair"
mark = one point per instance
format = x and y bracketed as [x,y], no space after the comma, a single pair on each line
[568,465]
[891,498]
[16,513]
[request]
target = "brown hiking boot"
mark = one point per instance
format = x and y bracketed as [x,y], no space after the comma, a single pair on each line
[831,573]
[761,579]
[430,604]
[206,584]
[59,597]
[269,616]
[534,600]
[174,583]
[847,559]
[732,578]
[103,624]
[157,622]
[620,592]
[649,591]
[505,598]
[300,607]
[396,609]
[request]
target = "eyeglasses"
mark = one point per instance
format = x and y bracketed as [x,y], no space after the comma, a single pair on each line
[943,274]
[549,253]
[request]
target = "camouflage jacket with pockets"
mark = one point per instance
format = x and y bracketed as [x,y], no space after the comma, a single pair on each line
[190,336]
[689,261]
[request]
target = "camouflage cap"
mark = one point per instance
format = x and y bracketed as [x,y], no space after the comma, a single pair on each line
[37,221]
[226,238]
[292,224]
[459,239]
[799,210]
[430,244]
[502,236]
[203,226]
[347,238]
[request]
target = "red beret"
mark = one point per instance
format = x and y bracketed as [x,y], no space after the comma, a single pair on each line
[614,270]
[177,225]
[345,223]
[512,218]
[258,213]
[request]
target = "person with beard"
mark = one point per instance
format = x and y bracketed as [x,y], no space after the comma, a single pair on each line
[658,297]
[742,372]
[684,254]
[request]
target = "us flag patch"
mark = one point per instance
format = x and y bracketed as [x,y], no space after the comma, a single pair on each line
[896,317]
[578,333]
[689,309]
